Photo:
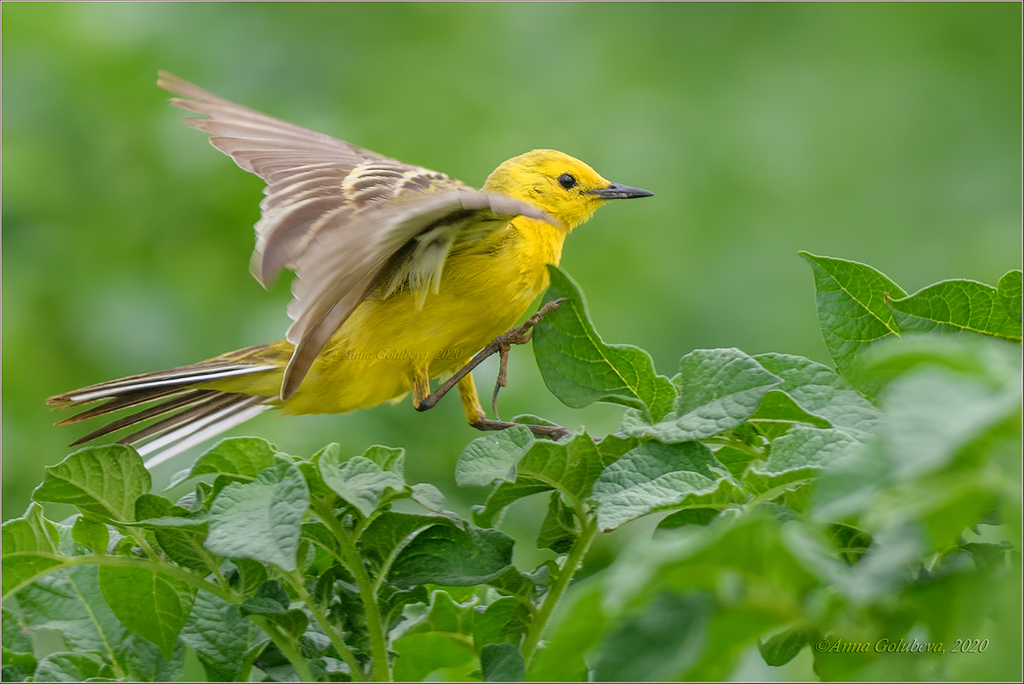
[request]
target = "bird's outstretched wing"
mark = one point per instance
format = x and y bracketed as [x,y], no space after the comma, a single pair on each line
[346,219]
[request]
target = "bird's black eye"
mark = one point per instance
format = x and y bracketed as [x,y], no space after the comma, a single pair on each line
[567,181]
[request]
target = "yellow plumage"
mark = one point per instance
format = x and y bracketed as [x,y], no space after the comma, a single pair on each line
[403,275]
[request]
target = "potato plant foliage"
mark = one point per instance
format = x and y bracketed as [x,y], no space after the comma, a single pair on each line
[866,514]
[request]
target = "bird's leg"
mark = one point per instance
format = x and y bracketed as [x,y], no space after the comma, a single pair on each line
[501,344]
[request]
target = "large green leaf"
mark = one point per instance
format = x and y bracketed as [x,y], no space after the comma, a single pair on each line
[718,390]
[73,667]
[180,535]
[504,621]
[16,636]
[70,601]
[823,393]
[363,481]
[657,476]
[493,456]
[448,555]
[797,457]
[442,639]
[569,465]
[261,519]
[31,547]
[241,457]
[1010,294]
[143,661]
[575,627]
[153,605]
[103,482]
[390,532]
[224,640]
[659,644]
[852,309]
[502,663]
[421,654]
[579,368]
[958,306]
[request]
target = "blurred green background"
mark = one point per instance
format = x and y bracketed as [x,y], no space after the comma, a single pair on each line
[884,133]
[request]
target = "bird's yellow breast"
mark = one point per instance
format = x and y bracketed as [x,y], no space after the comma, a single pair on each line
[375,355]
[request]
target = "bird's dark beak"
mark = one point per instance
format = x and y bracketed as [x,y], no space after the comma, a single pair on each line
[616,191]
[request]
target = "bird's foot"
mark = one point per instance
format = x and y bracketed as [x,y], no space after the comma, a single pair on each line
[521,334]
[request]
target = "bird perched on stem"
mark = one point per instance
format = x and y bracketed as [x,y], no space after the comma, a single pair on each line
[403,274]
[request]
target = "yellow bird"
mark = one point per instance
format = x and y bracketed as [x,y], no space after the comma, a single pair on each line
[403,274]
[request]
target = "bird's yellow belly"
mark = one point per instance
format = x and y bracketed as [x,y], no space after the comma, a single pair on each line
[375,355]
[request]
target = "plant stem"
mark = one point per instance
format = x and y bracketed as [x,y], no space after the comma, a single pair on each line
[357,672]
[374,625]
[284,643]
[565,575]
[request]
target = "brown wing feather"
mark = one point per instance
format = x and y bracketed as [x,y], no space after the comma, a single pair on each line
[338,214]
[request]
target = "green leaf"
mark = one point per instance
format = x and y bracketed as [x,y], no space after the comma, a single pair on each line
[657,476]
[504,621]
[747,548]
[524,585]
[390,532]
[785,646]
[151,604]
[242,457]
[503,495]
[70,601]
[1010,295]
[779,407]
[798,456]
[580,369]
[248,576]
[421,654]
[144,662]
[852,309]
[17,666]
[718,390]
[559,530]
[569,465]
[16,636]
[428,496]
[577,625]
[957,306]
[93,536]
[502,663]
[701,515]
[659,644]
[363,481]
[448,555]
[261,520]
[440,640]
[184,545]
[611,447]
[820,391]
[492,457]
[103,482]
[933,415]
[72,667]
[270,599]
[31,547]
[447,615]
[735,460]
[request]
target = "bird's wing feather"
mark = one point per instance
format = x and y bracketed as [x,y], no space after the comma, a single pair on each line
[346,265]
[310,176]
[346,219]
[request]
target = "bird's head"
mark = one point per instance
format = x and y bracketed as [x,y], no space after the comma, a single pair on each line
[563,187]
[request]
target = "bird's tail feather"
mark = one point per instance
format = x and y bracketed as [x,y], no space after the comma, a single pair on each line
[190,411]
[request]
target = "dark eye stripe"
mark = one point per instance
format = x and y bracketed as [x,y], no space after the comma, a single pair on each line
[567,181]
